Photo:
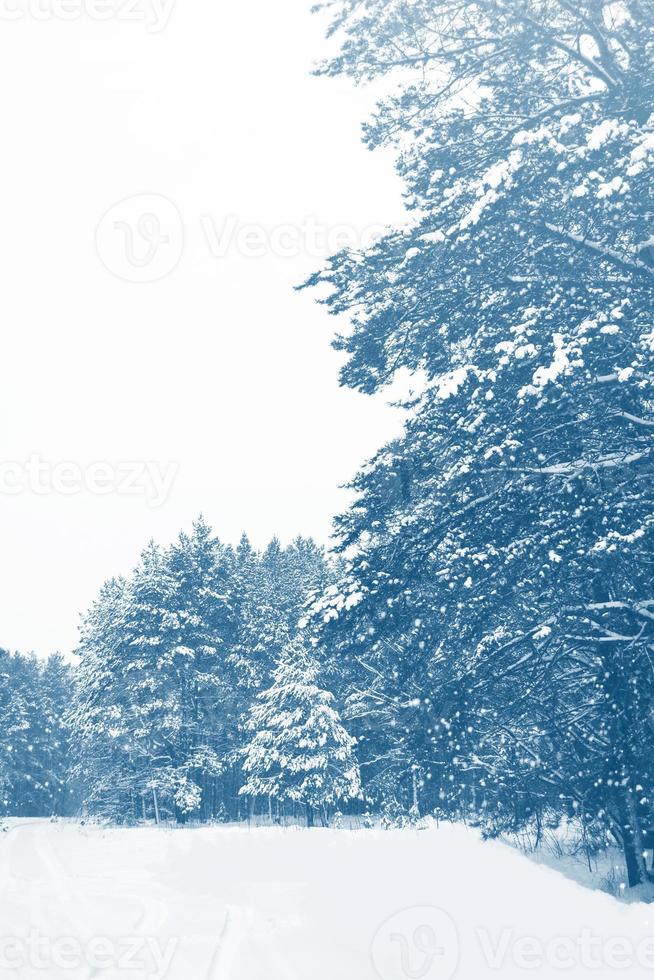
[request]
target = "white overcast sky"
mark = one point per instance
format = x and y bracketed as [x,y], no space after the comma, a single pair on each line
[220,368]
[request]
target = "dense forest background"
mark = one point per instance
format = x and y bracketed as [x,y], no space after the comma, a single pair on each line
[481,640]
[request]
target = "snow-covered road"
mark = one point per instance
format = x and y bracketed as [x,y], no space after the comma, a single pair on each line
[82,902]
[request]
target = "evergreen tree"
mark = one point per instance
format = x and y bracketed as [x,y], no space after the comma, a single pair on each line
[203,571]
[52,747]
[34,761]
[146,716]
[15,764]
[102,716]
[498,608]
[299,751]
[273,589]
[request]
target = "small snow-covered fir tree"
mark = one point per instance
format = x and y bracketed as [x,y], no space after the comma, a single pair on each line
[299,750]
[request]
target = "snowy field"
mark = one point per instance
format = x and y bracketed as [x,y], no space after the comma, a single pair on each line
[291,904]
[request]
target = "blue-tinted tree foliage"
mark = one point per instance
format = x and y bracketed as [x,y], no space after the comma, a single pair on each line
[500,601]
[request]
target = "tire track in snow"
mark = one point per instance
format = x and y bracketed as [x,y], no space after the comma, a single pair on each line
[237,928]
[8,844]
[153,916]
[58,879]
[237,924]
[7,848]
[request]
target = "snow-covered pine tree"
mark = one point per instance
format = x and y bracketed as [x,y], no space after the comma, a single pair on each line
[257,584]
[271,591]
[105,718]
[299,751]
[499,613]
[51,737]
[150,719]
[155,667]
[34,761]
[204,609]
[16,776]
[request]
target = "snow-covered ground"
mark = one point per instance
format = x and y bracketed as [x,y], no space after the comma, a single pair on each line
[292,904]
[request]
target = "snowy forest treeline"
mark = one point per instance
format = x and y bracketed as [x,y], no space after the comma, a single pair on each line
[482,640]
[189,672]
[196,697]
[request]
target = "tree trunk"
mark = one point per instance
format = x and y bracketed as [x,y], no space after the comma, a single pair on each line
[634,834]
[625,835]
[156,806]
[634,874]
[309,816]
